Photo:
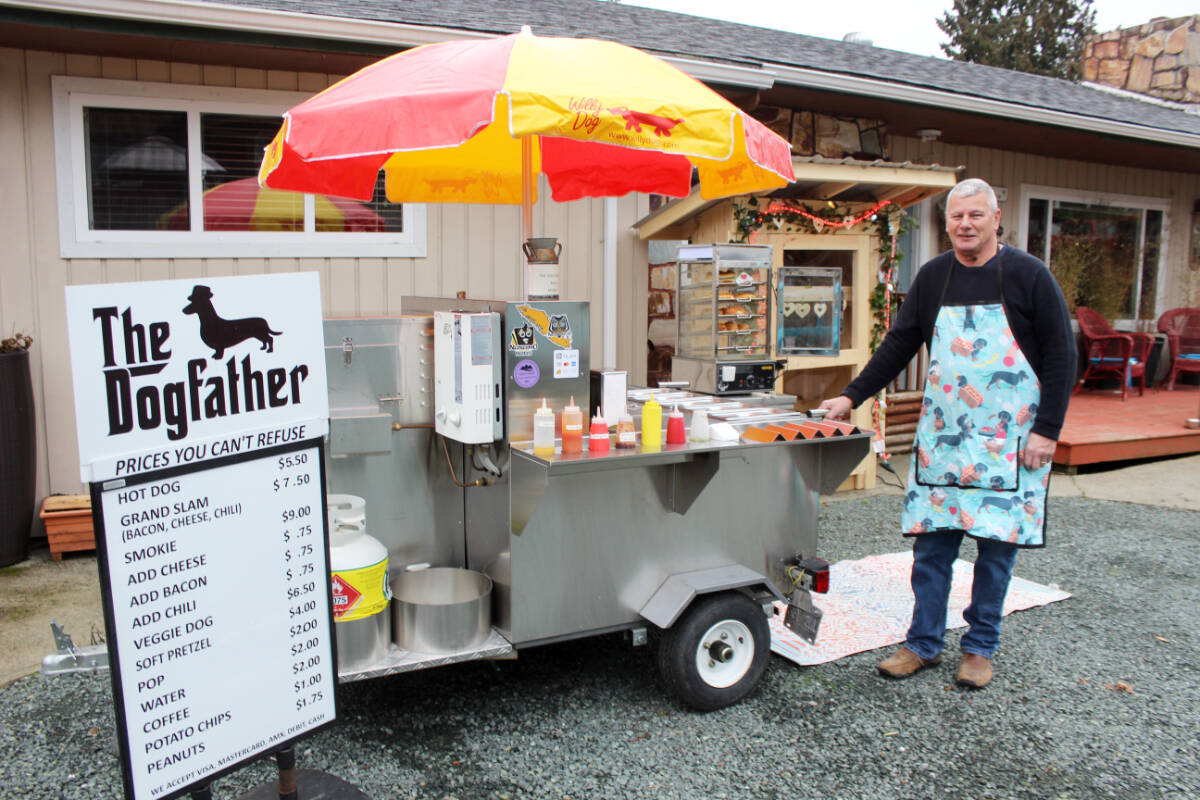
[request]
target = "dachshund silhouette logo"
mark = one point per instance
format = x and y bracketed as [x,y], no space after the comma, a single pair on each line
[221,334]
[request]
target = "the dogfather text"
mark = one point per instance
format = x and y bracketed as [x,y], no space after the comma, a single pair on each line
[135,351]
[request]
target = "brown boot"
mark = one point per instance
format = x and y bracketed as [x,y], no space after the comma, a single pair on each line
[975,671]
[905,662]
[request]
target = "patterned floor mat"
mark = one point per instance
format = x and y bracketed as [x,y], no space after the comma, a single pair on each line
[870,603]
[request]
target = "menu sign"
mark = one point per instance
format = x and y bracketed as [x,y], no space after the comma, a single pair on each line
[217,582]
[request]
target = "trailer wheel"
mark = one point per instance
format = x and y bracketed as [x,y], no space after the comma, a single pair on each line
[715,654]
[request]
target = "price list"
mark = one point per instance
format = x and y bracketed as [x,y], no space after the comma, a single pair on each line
[220,612]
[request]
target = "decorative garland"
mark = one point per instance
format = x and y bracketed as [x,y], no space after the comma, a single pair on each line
[798,217]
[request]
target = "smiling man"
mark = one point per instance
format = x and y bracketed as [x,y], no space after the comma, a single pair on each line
[992,316]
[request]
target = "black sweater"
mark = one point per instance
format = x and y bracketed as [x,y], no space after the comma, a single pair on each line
[1037,314]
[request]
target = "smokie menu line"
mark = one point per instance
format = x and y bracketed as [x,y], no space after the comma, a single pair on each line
[220,602]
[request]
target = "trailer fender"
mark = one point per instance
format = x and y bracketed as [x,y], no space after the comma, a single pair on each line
[677,591]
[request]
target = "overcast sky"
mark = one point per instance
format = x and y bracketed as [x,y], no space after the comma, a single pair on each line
[907,25]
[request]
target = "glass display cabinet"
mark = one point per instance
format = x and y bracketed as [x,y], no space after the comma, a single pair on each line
[724,301]
[808,311]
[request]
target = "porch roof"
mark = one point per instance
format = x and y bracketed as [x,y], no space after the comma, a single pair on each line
[820,179]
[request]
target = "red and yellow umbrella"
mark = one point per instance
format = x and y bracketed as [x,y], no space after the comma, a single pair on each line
[476,121]
[243,205]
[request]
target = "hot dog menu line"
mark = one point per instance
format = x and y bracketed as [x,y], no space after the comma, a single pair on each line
[221,615]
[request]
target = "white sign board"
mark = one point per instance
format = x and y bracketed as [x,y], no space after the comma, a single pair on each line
[170,373]
[220,618]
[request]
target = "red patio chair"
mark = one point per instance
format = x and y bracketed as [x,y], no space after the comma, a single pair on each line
[1182,327]
[1111,354]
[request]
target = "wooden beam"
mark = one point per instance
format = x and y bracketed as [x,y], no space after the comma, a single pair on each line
[830,190]
[672,213]
[893,192]
[872,173]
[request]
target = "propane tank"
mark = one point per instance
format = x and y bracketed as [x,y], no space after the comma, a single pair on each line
[358,566]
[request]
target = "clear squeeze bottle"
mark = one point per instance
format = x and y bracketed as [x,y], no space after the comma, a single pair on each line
[626,435]
[652,425]
[572,428]
[543,431]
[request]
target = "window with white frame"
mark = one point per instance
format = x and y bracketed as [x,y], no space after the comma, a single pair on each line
[1106,251]
[151,170]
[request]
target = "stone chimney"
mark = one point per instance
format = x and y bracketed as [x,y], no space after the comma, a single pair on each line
[1160,58]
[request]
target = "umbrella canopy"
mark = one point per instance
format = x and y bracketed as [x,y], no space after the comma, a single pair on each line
[472,121]
[243,205]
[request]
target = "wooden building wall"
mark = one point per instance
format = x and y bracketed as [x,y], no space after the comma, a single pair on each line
[471,248]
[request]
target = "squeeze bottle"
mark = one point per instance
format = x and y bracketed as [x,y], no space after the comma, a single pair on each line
[652,425]
[699,425]
[572,428]
[543,431]
[598,437]
[626,436]
[676,432]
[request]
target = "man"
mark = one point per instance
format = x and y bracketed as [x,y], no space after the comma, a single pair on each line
[1002,361]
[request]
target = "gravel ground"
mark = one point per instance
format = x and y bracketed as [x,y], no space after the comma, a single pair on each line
[1095,697]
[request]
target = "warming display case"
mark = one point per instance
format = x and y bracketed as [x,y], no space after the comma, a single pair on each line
[724,301]
[808,311]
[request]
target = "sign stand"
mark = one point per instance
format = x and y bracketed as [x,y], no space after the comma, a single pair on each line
[305,784]
[292,785]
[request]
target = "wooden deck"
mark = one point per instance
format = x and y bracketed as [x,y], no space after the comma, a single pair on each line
[1100,427]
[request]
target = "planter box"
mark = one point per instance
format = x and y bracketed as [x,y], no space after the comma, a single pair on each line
[68,520]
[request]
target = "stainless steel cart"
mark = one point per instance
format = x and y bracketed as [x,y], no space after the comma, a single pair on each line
[695,539]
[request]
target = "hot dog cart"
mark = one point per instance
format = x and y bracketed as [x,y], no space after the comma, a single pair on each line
[432,426]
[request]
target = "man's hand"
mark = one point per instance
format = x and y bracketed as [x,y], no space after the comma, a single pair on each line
[1038,451]
[838,407]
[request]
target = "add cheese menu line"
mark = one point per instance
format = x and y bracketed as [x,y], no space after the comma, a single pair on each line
[218,582]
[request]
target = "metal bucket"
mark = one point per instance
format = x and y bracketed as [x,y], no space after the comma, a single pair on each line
[441,610]
[362,642]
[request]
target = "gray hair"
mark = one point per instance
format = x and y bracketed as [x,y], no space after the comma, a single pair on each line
[973,186]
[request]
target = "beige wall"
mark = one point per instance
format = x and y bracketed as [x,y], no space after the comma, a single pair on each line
[470,248]
[1010,170]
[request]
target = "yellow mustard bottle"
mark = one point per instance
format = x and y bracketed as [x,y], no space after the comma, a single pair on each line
[651,425]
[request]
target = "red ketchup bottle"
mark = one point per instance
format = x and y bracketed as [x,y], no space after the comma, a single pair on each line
[676,431]
[598,437]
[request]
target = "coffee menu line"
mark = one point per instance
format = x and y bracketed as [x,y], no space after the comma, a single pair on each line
[217,583]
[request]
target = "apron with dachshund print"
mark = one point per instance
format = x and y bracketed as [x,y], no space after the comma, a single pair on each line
[981,397]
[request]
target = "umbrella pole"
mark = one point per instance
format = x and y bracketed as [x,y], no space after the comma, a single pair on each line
[527,178]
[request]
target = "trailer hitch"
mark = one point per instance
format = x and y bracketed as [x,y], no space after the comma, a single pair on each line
[70,658]
[804,576]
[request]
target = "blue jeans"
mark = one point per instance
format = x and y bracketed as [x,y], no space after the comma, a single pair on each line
[933,557]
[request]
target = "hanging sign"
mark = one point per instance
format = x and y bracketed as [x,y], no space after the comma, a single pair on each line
[201,407]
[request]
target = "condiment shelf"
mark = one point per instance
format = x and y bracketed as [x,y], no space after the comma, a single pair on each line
[693,465]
